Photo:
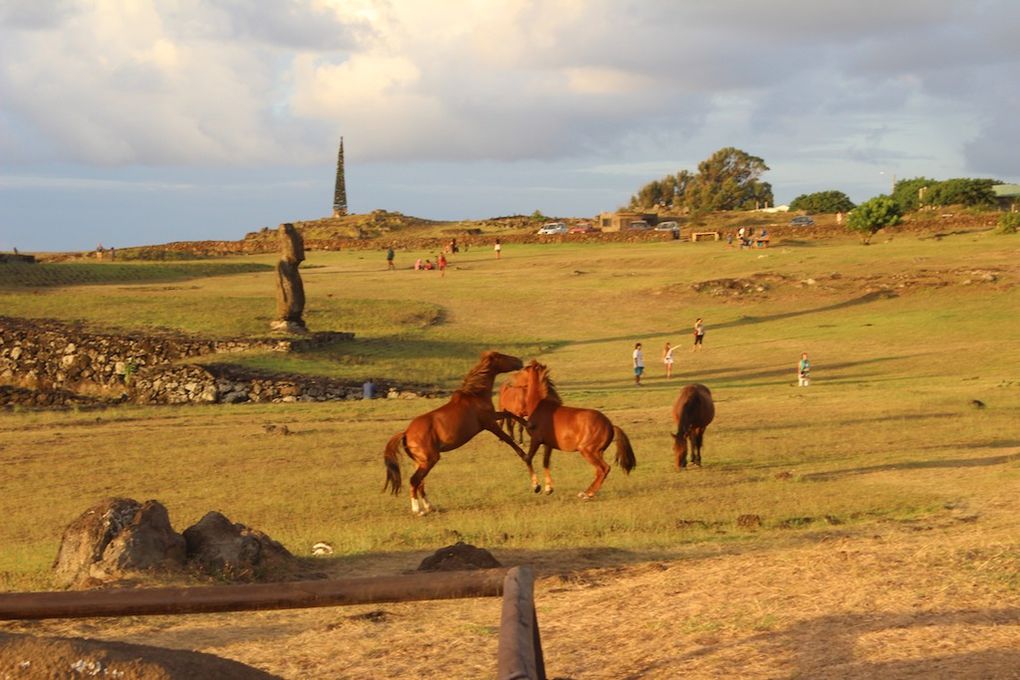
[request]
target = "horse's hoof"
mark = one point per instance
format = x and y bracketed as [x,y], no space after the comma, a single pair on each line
[584,497]
[548,491]
[538,488]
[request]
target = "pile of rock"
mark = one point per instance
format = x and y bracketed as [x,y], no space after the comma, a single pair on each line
[120,540]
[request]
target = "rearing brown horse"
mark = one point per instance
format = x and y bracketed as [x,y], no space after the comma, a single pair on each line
[554,425]
[693,411]
[450,426]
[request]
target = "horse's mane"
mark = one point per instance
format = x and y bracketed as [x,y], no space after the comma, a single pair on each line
[479,380]
[548,386]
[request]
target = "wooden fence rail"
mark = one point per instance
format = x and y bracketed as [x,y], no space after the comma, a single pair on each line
[520,649]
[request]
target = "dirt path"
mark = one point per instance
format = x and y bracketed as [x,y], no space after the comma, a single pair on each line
[932,599]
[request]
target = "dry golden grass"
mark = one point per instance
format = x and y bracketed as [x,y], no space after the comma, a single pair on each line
[888,543]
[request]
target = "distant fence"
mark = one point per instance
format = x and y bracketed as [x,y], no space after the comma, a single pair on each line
[520,649]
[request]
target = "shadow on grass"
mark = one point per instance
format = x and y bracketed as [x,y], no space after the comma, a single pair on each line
[829,646]
[746,320]
[914,465]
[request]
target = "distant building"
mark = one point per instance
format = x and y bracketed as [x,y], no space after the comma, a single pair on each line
[621,221]
[1007,196]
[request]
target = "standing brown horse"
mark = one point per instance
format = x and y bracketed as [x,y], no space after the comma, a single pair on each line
[511,400]
[693,411]
[450,426]
[554,425]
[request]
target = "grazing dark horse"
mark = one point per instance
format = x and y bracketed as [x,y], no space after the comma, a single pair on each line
[553,425]
[511,400]
[450,426]
[693,411]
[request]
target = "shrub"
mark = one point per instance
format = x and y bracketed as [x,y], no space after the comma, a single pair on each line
[872,215]
[1009,223]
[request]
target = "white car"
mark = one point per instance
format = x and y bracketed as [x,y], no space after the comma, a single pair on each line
[553,228]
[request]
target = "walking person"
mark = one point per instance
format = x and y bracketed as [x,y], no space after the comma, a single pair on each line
[639,363]
[699,335]
[441,262]
[498,248]
[803,371]
[389,258]
[667,358]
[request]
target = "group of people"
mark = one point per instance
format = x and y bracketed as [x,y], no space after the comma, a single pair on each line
[441,262]
[747,239]
[428,265]
[638,357]
[667,352]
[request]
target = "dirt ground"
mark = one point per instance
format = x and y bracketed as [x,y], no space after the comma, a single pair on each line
[935,598]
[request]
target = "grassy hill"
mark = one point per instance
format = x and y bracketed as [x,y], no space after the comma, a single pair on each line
[886,490]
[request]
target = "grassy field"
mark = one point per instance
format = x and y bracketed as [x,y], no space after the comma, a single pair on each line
[903,336]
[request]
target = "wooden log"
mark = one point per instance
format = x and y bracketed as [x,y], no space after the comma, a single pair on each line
[251,597]
[520,646]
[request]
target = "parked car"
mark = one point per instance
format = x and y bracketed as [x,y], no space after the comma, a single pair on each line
[553,228]
[639,224]
[666,226]
[582,229]
[802,221]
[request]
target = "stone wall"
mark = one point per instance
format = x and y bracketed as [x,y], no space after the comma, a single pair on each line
[49,363]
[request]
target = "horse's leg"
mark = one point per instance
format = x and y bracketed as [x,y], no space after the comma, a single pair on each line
[680,450]
[601,470]
[546,461]
[532,449]
[419,502]
[503,436]
[697,437]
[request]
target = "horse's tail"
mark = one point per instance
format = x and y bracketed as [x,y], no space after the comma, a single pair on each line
[392,460]
[624,451]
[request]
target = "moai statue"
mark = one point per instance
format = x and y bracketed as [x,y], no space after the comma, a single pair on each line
[290,292]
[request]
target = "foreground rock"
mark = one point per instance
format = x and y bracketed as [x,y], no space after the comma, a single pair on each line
[233,552]
[25,656]
[459,557]
[118,539]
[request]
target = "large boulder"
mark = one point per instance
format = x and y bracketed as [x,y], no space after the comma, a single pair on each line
[115,540]
[233,552]
[26,656]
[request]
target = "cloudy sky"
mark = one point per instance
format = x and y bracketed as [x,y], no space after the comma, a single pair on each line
[132,122]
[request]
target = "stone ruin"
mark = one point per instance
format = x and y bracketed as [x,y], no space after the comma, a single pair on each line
[290,291]
[121,541]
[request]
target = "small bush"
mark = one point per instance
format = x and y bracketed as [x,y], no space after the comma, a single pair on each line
[872,215]
[1009,223]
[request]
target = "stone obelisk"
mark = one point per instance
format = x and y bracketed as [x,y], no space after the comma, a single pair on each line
[340,190]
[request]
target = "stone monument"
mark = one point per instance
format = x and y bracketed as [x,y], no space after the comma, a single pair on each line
[290,292]
[340,188]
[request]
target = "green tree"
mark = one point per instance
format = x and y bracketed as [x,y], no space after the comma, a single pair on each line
[729,180]
[961,191]
[908,192]
[823,202]
[872,215]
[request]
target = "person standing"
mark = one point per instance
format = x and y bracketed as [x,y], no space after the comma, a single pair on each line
[699,334]
[498,248]
[441,262]
[667,358]
[389,258]
[639,363]
[803,371]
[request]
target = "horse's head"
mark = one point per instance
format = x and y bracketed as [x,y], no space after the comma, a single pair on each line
[534,378]
[501,363]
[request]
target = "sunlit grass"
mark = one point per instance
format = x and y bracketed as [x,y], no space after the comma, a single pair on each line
[887,432]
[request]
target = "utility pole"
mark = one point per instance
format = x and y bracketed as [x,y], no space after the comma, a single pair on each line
[340,191]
